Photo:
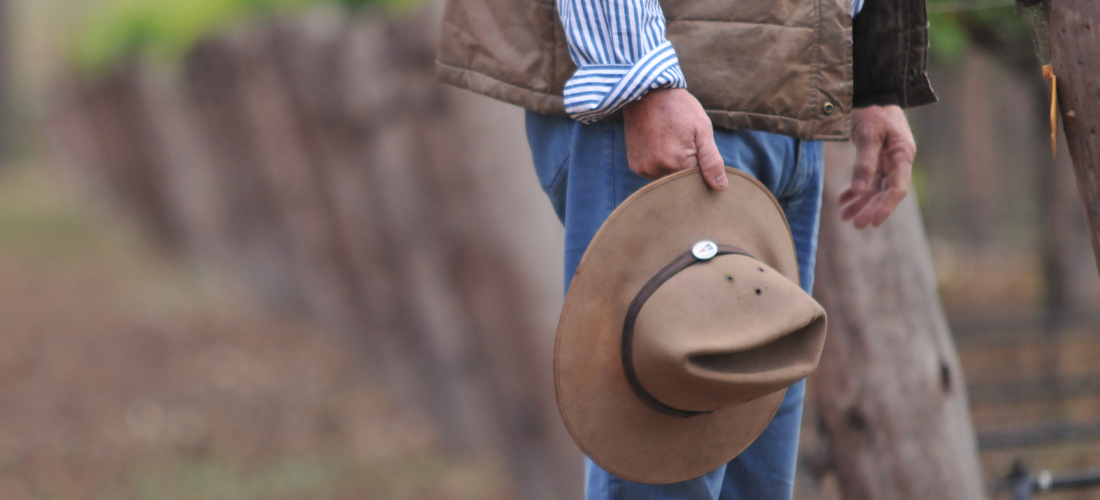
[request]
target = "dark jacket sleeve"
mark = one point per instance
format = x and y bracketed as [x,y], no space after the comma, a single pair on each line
[890,54]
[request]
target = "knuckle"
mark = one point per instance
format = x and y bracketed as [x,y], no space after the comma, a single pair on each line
[863,134]
[906,146]
[863,172]
[684,162]
[903,153]
[647,170]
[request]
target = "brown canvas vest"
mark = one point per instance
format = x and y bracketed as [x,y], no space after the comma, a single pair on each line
[782,66]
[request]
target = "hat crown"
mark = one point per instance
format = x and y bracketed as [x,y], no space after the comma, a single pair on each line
[724,332]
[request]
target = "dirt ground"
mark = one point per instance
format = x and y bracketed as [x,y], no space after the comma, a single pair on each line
[125,375]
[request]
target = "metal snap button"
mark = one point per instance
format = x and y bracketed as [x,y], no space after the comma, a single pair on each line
[828,108]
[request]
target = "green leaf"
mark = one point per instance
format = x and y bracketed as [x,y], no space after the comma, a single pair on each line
[947,39]
[121,30]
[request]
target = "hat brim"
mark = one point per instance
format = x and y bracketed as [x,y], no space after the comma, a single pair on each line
[606,419]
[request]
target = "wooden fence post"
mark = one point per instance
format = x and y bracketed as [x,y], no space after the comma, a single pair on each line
[319,159]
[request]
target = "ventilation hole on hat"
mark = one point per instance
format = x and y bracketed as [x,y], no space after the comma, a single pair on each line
[761,269]
[758,292]
[729,279]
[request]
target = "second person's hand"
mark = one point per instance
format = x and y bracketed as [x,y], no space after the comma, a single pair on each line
[883,171]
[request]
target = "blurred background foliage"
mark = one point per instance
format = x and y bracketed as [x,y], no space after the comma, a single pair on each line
[956,26]
[119,30]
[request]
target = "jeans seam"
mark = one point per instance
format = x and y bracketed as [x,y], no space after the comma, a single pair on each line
[563,167]
[792,187]
[559,175]
[620,488]
[800,180]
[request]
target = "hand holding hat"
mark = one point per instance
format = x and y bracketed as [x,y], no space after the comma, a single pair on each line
[667,131]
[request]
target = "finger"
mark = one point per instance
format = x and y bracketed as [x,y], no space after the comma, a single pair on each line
[868,150]
[866,215]
[855,207]
[654,168]
[886,206]
[880,207]
[847,196]
[710,160]
[894,188]
[897,188]
[659,169]
[643,167]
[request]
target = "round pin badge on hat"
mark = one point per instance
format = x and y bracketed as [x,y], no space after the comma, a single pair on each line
[705,250]
[682,329]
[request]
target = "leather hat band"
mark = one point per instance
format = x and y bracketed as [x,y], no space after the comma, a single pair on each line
[682,262]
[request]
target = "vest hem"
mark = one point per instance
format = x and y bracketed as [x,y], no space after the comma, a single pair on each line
[486,85]
[799,129]
[542,102]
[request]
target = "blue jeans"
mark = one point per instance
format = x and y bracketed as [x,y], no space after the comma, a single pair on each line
[584,171]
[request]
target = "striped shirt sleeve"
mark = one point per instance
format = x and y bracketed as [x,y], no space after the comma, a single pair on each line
[621,52]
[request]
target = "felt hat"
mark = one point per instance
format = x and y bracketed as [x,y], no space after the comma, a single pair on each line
[682,329]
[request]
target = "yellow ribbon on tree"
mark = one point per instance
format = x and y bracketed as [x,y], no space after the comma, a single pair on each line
[1048,73]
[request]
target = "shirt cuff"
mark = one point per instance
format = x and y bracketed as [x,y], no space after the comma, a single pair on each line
[598,90]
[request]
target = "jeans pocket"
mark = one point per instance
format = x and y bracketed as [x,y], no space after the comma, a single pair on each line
[552,173]
[551,141]
[808,166]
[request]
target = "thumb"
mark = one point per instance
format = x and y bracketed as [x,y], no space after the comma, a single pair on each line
[710,160]
[867,156]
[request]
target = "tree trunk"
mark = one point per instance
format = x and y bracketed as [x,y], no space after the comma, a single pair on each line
[5,80]
[890,393]
[1074,29]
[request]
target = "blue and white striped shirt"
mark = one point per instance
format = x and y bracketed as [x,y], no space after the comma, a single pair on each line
[621,53]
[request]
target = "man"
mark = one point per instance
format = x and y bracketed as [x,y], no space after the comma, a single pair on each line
[653,88]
